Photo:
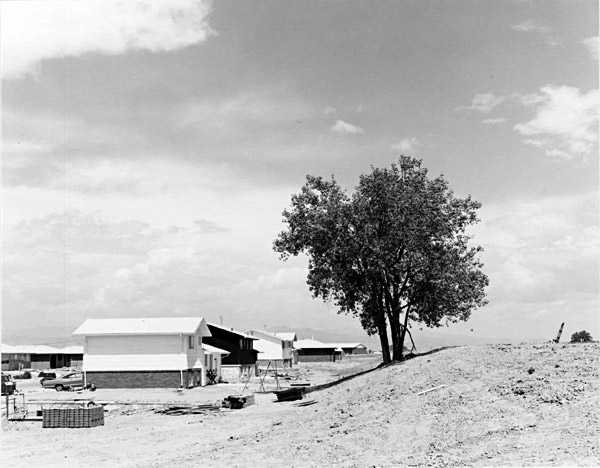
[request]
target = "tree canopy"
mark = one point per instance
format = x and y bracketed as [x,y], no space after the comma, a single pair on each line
[392,252]
[581,337]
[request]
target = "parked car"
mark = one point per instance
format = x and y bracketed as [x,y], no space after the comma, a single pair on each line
[64,382]
[46,375]
[8,384]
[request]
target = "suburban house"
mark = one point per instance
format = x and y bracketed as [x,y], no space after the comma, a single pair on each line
[242,357]
[147,352]
[351,348]
[272,348]
[315,351]
[40,357]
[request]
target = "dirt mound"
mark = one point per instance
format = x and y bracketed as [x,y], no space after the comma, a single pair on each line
[502,405]
[528,405]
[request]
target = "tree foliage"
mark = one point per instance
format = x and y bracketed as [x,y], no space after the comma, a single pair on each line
[393,251]
[581,337]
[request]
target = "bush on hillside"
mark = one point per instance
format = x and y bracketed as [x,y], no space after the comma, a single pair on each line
[581,337]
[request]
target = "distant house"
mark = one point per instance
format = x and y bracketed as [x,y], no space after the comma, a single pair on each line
[315,351]
[242,357]
[40,357]
[351,348]
[278,350]
[146,352]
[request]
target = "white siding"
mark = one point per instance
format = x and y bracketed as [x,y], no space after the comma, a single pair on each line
[131,353]
[134,344]
[134,362]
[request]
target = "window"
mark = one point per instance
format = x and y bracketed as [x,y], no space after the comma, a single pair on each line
[199,341]
[191,341]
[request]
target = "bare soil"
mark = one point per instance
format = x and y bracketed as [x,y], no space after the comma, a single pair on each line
[502,405]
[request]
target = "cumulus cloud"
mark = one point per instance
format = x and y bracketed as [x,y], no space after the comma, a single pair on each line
[344,128]
[541,250]
[485,102]
[496,121]
[209,227]
[530,26]
[593,46]
[566,122]
[406,145]
[33,31]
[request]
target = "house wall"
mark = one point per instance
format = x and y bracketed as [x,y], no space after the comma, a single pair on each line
[141,353]
[317,355]
[281,363]
[140,379]
[355,350]
[235,372]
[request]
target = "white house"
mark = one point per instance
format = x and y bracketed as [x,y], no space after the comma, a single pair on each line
[315,351]
[146,352]
[277,348]
[351,348]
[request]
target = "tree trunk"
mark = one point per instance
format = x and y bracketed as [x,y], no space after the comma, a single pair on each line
[396,335]
[383,338]
[385,346]
[404,328]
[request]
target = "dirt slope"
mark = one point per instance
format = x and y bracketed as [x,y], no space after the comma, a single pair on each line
[528,405]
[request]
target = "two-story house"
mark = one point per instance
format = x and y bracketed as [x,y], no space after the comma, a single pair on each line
[145,352]
[278,348]
[242,357]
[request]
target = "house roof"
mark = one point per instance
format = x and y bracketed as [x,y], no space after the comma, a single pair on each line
[267,350]
[291,336]
[214,350]
[349,345]
[144,326]
[231,330]
[40,349]
[314,344]
[264,335]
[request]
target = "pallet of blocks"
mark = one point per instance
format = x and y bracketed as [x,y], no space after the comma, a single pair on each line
[73,416]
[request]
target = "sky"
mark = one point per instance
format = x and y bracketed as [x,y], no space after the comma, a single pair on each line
[149,149]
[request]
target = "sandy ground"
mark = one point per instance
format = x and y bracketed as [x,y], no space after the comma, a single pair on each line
[503,405]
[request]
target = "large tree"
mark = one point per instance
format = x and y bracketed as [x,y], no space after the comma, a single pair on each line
[392,252]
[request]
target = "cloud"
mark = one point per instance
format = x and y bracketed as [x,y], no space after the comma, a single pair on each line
[485,102]
[496,121]
[330,110]
[344,128]
[593,46]
[530,26]
[34,31]
[566,123]
[406,145]
[539,250]
[209,227]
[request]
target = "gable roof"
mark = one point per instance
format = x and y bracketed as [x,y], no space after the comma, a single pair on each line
[313,344]
[214,350]
[349,345]
[264,335]
[288,336]
[267,350]
[144,326]
[231,330]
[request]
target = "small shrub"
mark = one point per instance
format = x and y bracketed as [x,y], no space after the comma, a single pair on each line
[581,337]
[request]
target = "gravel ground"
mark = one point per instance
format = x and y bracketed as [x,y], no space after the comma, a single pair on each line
[502,405]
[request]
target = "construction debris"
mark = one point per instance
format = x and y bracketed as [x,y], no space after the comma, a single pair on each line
[431,389]
[305,403]
[176,410]
[291,394]
[238,401]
